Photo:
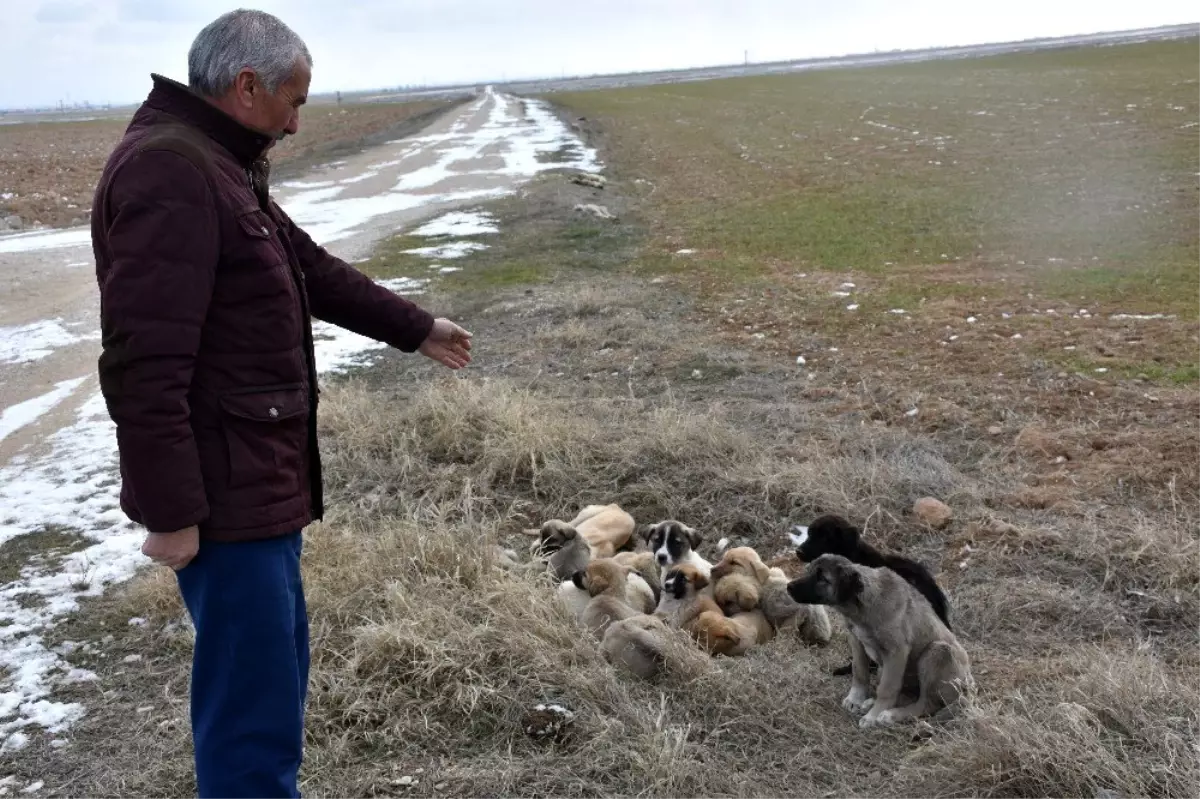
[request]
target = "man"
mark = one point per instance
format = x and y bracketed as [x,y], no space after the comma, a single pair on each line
[207,290]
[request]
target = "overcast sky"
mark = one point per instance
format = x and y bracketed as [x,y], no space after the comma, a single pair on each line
[103,50]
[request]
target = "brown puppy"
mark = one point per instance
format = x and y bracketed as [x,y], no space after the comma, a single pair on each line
[606,528]
[683,597]
[893,624]
[738,579]
[604,582]
[732,635]
[810,622]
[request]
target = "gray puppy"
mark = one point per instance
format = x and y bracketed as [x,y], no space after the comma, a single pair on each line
[565,550]
[891,623]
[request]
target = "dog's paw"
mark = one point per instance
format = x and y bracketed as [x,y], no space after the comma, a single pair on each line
[868,703]
[857,700]
[886,719]
[868,721]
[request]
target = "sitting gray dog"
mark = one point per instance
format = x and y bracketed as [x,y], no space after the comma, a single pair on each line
[891,623]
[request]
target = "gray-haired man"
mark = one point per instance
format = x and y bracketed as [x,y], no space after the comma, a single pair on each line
[207,290]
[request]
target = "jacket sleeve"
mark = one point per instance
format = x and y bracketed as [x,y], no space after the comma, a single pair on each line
[341,295]
[163,239]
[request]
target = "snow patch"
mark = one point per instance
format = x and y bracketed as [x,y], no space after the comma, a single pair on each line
[32,342]
[457,224]
[29,411]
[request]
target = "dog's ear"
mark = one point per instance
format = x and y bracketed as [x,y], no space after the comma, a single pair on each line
[700,582]
[580,580]
[761,572]
[644,531]
[849,584]
[694,536]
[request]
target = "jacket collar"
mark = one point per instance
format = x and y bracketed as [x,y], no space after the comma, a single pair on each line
[176,99]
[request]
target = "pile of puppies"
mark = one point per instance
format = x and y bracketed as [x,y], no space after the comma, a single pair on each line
[635,601]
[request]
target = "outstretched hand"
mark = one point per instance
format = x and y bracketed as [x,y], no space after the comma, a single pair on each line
[448,344]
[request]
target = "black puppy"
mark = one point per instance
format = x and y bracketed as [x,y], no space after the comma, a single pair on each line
[833,535]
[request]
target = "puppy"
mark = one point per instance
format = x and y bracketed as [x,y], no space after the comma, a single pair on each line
[638,593]
[606,528]
[604,582]
[834,535]
[674,544]
[683,597]
[731,635]
[646,646]
[810,622]
[568,551]
[643,580]
[738,579]
[891,623]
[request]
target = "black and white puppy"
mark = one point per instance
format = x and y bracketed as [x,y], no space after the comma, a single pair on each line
[834,535]
[674,544]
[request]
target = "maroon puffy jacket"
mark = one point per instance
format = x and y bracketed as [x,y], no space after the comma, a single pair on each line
[207,290]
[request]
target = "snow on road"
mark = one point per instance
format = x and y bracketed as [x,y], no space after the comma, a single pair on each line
[67,481]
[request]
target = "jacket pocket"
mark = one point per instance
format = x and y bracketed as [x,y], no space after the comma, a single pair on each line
[266,433]
[255,223]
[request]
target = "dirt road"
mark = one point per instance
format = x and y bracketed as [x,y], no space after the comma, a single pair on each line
[57,448]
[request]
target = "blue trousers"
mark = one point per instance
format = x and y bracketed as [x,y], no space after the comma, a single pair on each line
[249,666]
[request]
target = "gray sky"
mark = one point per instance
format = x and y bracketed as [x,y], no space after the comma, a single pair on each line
[103,50]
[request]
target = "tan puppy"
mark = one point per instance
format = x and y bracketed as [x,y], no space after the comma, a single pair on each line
[810,622]
[738,579]
[646,646]
[642,591]
[606,528]
[893,624]
[604,582]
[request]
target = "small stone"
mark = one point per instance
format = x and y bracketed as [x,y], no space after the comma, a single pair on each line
[441,786]
[995,430]
[404,781]
[132,659]
[933,512]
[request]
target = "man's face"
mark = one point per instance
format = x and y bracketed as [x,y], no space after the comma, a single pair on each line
[276,115]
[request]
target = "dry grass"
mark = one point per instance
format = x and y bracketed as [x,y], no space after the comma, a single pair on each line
[426,656]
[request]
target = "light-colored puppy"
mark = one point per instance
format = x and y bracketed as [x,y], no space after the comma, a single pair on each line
[646,646]
[642,582]
[810,622]
[738,579]
[606,528]
[893,624]
[638,593]
[604,582]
